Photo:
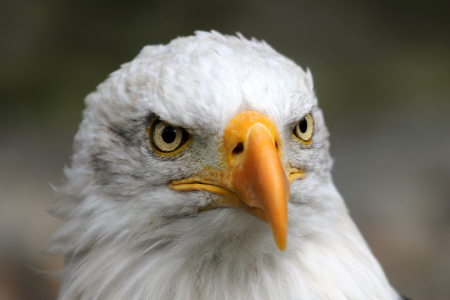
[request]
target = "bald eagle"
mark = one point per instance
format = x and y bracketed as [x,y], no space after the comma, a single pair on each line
[201,170]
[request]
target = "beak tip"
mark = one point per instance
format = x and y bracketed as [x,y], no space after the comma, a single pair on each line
[281,244]
[280,238]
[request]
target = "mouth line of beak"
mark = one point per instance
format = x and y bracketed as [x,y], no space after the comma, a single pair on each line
[295,173]
[229,198]
[193,184]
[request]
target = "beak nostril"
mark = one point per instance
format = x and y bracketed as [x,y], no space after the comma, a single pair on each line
[276,145]
[238,149]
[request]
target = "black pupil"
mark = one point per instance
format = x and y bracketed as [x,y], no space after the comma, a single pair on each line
[303,125]
[169,134]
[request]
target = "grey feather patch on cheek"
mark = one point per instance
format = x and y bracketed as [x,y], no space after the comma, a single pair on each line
[101,168]
[128,137]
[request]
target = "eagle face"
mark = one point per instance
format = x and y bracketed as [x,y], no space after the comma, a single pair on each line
[156,133]
[203,158]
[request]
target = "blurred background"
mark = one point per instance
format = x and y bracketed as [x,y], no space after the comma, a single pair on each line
[382,75]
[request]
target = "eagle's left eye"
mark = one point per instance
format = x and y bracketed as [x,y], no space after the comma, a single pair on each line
[304,129]
[166,139]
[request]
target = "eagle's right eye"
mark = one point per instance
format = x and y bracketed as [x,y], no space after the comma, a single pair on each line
[167,139]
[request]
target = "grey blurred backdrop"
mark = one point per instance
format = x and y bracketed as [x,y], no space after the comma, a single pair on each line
[381,70]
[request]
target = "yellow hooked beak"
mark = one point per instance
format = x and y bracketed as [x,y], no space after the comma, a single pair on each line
[255,179]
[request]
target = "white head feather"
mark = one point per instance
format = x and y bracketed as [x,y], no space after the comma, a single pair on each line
[129,236]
